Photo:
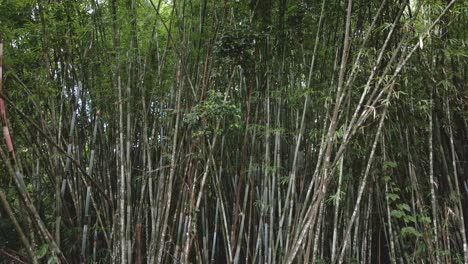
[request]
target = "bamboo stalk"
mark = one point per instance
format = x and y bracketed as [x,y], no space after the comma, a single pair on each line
[24,240]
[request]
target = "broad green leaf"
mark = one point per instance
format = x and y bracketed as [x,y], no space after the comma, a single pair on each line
[393,196]
[42,251]
[52,260]
[397,213]
[409,218]
[404,206]
[424,219]
[389,164]
[409,230]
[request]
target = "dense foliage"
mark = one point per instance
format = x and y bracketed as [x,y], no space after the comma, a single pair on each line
[236,131]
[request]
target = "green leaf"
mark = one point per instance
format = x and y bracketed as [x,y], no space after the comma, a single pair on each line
[442,252]
[389,164]
[409,230]
[335,197]
[424,219]
[397,213]
[409,218]
[258,203]
[42,251]
[393,196]
[52,260]
[404,206]
[284,180]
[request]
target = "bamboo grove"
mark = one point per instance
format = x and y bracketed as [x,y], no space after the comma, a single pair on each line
[235,131]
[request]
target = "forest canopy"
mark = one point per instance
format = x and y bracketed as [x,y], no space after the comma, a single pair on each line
[233,131]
